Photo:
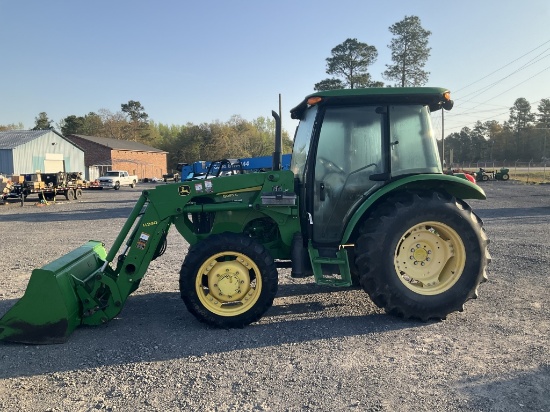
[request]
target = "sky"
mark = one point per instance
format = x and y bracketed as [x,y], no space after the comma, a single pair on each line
[205,61]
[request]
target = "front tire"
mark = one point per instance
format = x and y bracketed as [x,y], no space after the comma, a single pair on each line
[117,185]
[228,280]
[422,255]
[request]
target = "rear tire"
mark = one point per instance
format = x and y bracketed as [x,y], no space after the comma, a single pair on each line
[78,193]
[69,194]
[228,280]
[422,255]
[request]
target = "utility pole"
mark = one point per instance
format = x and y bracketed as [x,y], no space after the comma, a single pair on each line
[545,136]
[544,147]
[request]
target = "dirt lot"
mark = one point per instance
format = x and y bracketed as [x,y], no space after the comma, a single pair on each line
[317,348]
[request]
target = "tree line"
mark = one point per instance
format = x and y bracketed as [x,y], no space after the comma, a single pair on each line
[525,136]
[235,138]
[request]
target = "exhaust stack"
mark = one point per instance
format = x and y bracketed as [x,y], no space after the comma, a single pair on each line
[278,153]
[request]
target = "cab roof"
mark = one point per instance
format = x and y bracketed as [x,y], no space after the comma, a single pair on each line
[431,96]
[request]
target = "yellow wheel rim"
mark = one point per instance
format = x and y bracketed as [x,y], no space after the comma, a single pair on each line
[228,283]
[430,258]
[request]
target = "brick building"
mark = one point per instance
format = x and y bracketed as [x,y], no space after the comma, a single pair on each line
[102,154]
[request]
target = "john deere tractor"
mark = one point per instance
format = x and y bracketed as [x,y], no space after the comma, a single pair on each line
[365,203]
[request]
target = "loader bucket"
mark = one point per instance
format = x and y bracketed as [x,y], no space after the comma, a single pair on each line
[50,309]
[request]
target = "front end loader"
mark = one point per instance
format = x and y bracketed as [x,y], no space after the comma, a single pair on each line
[365,203]
[89,286]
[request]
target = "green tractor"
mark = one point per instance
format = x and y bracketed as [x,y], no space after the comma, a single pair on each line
[502,174]
[365,203]
[484,175]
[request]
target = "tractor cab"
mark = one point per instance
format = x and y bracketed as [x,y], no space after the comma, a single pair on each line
[351,143]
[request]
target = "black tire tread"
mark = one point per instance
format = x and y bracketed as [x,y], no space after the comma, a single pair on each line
[374,238]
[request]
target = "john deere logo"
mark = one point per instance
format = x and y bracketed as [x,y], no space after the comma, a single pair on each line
[184,190]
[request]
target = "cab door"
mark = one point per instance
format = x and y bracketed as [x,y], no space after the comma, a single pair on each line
[349,151]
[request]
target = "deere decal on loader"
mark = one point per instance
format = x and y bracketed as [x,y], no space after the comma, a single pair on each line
[365,203]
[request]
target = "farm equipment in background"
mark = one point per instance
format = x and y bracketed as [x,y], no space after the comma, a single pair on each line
[461,173]
[365,202]
[52,182]
[201,169]
[484,175]
[173,176]
[6,186]
[48,185]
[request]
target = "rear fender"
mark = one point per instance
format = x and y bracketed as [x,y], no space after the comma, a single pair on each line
[455,186]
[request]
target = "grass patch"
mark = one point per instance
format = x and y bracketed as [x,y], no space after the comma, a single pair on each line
[531,177]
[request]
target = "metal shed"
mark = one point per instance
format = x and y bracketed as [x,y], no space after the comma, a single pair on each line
[29,151]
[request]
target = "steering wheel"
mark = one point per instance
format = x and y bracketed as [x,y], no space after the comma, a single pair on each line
[327,164]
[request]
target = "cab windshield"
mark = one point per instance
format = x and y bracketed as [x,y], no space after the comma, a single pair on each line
[302,142]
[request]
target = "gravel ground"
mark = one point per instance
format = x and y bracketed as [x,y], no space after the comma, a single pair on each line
[317,348]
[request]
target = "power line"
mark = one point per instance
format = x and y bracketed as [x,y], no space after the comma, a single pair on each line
[472,109]
[513,87]
[506,65]
[526,65]
[492,117]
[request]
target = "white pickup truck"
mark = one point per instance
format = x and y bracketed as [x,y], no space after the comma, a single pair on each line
[116,178]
